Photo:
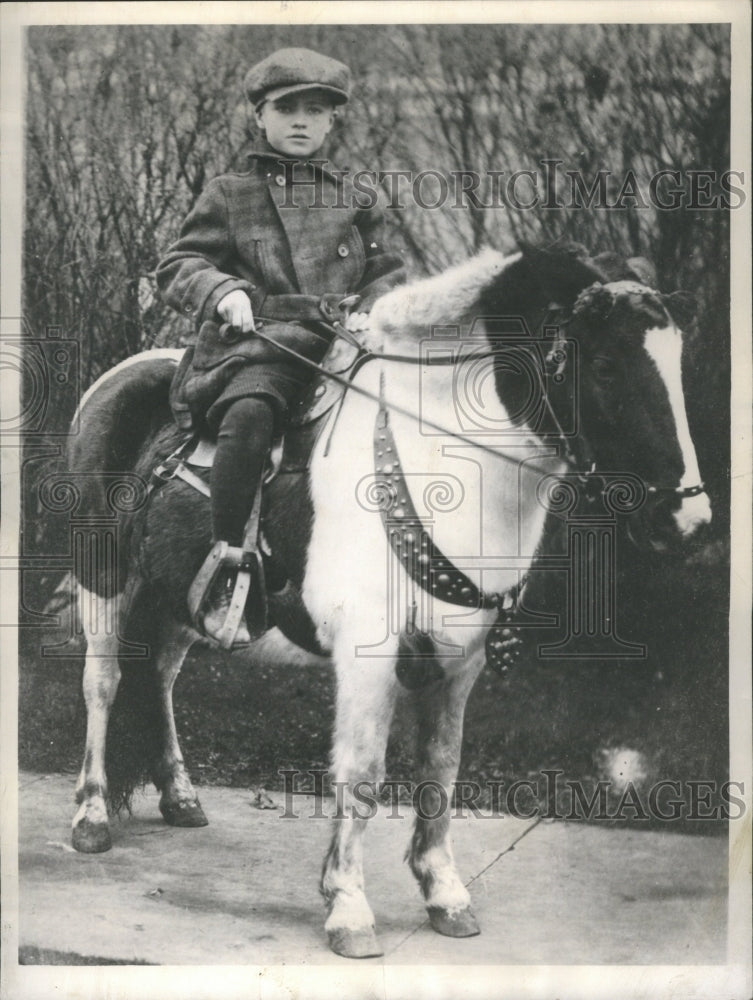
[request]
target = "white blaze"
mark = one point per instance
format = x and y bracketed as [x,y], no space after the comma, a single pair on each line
[664,346]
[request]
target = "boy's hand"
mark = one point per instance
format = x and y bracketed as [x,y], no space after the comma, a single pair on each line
[235,309]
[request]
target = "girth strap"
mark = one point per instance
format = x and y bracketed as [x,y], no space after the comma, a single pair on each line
[173,467]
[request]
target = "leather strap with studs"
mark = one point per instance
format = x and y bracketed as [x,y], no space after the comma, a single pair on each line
[413,545]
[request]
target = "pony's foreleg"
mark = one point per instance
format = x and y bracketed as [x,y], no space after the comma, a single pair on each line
[440,709]
[179,803]
[365,703]
[99,617]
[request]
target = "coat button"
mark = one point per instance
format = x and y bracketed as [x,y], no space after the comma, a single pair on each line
[280,180]
[343,250]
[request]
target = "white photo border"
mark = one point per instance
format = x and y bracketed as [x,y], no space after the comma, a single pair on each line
[349,979]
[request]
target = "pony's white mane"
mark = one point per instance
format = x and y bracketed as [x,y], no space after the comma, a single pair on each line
[411,310]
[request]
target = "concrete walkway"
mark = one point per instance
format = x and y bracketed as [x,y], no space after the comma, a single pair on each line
[244,889]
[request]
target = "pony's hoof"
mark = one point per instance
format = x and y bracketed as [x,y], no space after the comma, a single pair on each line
[453,923]
[184,813]
[91,838]
[362,943]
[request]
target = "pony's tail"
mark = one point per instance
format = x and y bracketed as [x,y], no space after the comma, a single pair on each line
[135,731]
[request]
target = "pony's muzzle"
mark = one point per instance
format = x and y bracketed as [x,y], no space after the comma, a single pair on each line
[692,514]
[667,521]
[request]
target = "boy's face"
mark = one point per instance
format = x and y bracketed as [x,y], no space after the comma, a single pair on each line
[297,124]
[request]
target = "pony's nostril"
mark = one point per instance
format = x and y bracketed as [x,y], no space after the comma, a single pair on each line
[693,513]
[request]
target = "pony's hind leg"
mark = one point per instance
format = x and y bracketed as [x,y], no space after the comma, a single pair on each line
[440,709]
[365,702]
[99,617]
[179,803]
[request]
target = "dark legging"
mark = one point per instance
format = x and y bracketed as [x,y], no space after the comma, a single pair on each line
[243,442]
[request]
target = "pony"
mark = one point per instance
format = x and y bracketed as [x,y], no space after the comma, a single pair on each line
[408,537]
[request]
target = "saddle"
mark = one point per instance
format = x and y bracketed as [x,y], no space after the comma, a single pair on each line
[291,455]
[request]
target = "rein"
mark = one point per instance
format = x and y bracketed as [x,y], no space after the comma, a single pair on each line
[365,357]
[586,470]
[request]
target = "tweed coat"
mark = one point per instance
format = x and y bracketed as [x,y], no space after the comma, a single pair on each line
[282,227]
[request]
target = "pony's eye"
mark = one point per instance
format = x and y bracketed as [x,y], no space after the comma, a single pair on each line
[604,368]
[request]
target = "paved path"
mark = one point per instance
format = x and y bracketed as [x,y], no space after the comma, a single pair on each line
[244,889]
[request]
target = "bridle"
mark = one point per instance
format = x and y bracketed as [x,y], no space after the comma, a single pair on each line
[580,458]
[578,454]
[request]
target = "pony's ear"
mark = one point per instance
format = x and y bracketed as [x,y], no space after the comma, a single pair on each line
[681,306]
[643,270]
[562,270]
[617,268]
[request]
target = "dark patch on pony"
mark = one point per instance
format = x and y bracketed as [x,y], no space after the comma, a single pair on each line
[288,537]
[170,537]
[135,731]
[417,664]
[539,278]
[114,423]
[532,289]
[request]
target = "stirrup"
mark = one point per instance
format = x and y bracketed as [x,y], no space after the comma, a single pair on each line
[249,566]
[249,574]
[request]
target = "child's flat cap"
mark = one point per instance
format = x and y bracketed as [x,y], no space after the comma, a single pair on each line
[290,70]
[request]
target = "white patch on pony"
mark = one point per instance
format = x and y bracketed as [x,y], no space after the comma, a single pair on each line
[349,587]
[345,578]
[99,617]
[445,888]
[155,354]
[664,346]
[439,300]
[349,911]
[92,809]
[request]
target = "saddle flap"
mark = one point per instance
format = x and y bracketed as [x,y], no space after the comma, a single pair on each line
[201,455]
[323,393]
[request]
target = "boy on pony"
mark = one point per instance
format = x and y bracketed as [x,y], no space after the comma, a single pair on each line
[276,241]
